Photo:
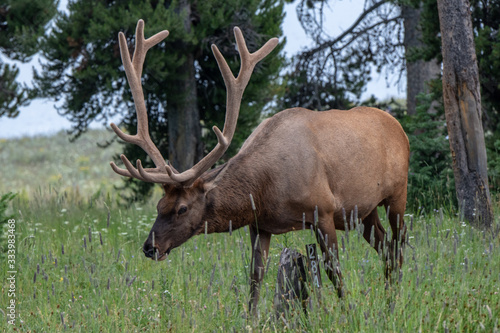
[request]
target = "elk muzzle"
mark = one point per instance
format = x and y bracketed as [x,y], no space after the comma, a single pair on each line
[152,249]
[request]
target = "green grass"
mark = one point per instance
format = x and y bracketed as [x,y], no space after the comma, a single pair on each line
[33,163]
[67,279]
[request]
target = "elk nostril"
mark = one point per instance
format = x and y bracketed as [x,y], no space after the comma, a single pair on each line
[148,250]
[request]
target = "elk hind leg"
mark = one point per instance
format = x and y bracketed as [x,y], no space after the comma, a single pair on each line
[374,233]
[396,210]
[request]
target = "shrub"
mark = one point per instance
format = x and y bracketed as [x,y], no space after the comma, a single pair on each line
[431,182]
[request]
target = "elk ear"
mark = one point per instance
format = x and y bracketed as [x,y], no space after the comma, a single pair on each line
[212,183]
[209,186]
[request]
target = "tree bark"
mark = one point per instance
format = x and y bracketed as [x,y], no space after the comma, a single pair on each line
[419,72]
[462,102]
[291,282]
[184,129]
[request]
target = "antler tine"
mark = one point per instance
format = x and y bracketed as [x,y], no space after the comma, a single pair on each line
[143,45]
[133,70]
[236,86]
[234,90]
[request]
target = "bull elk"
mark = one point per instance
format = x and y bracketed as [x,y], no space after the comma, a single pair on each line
[298,161]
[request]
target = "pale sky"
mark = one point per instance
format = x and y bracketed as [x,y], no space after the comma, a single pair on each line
[40,117]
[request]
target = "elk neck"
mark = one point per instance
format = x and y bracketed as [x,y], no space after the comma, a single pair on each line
[228,197]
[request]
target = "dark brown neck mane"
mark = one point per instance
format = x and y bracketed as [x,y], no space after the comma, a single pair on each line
[229,199]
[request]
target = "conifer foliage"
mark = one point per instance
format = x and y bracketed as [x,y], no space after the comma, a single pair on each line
[22,23]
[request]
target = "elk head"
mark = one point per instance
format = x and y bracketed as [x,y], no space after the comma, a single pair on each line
[181,209]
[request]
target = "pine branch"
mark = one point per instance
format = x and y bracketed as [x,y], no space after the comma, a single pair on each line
[350,30]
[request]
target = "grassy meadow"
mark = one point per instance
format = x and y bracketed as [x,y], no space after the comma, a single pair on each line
[44,162]
[80,265]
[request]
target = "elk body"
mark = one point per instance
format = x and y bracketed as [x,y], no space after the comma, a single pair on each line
[294,164]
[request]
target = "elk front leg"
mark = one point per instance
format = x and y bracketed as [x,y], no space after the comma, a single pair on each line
[327,239]
[260,250]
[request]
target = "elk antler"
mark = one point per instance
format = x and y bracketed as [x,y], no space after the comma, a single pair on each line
[163,173]
[133,70]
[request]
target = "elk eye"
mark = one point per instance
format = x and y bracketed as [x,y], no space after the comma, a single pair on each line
[182,210]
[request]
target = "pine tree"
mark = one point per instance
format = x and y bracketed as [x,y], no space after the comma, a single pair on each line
[485,23]
[462,102]
[22,23]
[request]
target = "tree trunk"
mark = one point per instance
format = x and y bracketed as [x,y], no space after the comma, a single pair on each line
[462,102]
[291,282]
[184,130]
[417,72]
